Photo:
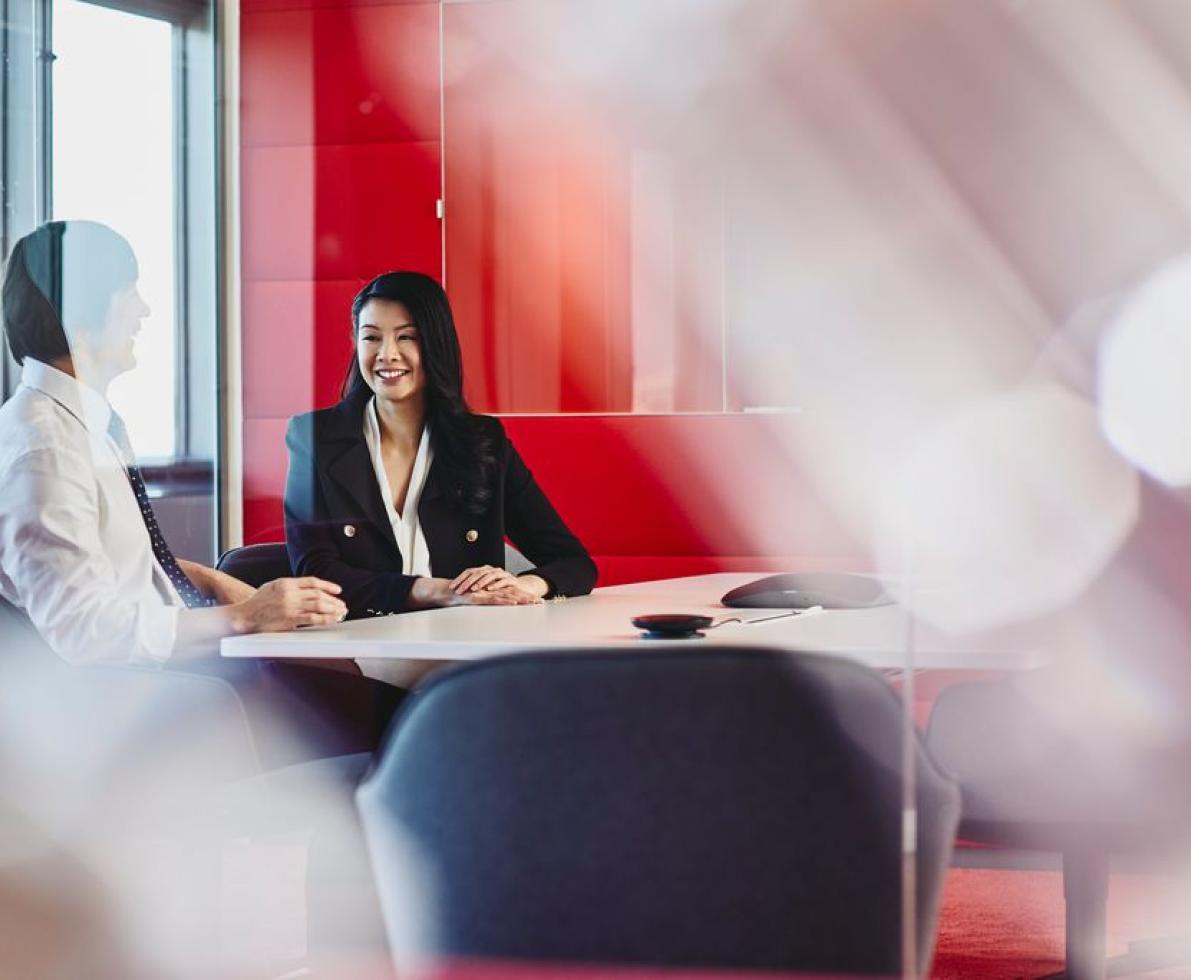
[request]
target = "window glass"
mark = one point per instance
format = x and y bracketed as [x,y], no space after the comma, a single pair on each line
[114,162]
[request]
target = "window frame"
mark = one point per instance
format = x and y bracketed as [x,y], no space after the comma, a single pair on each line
[23,150]
[27,80]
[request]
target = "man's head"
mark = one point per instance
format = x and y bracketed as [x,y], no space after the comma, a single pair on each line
[70,289]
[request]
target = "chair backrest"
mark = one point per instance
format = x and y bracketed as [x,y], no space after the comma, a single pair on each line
[256,564]
[705,808]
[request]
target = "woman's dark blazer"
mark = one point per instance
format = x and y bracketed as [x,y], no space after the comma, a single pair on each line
[336,526]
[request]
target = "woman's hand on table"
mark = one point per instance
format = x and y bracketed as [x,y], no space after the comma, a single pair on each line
[485,585]
[489,578]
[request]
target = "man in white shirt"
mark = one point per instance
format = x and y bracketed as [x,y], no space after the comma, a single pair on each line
[83,561]
[80,552]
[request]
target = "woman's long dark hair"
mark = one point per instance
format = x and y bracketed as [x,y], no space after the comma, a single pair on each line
[463,446]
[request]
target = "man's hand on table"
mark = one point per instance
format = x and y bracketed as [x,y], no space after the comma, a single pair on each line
[286,603]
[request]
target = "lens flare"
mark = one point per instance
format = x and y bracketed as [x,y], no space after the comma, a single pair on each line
[1006,510]
[1144,394]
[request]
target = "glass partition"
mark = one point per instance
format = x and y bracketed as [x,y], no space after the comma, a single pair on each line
[586,228]
[935,253]
[719,210]
[751,206]
[678,209]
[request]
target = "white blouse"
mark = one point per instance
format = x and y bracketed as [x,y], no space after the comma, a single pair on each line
[407,529]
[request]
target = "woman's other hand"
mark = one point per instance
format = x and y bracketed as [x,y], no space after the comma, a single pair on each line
[476,587]
[489,578]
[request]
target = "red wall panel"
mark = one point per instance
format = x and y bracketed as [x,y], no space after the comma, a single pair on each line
[277,78]
[278,331]
[340,212]
[277,186]
[263,520]
[359,75]
[376,210]
[264,457]
[254,6]
[297,344]
[537,231]
[683,486]
[581,282]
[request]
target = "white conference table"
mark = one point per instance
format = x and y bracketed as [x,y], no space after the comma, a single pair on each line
[876,637]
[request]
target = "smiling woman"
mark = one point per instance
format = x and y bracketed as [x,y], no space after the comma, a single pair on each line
[404,496]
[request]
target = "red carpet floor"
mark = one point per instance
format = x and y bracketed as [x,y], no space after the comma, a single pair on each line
[1002,925]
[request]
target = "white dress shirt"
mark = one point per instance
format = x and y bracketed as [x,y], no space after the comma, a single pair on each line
[407,529]
[75,555]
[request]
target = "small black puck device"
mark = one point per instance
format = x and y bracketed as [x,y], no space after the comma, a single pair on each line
[672,626]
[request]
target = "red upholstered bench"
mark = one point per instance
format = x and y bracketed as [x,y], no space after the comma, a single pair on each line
[656,496]
[651,496]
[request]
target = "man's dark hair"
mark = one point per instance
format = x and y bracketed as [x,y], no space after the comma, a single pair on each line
[63,273]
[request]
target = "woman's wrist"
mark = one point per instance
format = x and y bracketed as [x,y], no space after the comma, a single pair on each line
[535,585]
[429,593]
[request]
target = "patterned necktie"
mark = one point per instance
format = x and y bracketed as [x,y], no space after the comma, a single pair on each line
[161,551]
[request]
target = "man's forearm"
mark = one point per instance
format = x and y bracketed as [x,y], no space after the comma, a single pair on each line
[215,584]
[198,574]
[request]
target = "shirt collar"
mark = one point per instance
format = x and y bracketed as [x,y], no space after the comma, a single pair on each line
[82,401]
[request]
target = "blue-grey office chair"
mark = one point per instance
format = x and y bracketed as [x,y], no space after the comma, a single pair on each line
[256,564]
[347,713]
[706,807]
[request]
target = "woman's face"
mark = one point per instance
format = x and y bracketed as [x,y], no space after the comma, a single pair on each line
[389,352]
